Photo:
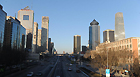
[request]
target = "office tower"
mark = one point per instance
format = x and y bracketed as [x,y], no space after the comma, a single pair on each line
[84,48]
[119,27]
[44,33]
[52,47]
[35,37]
[39,41]
[49,45]
[14,37]
[26,17]
[77,44]
[108,35]
[94,35]
[3,15]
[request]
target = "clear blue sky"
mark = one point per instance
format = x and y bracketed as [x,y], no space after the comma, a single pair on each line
[73,17]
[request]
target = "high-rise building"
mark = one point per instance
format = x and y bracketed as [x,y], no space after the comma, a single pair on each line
[119,27]
[39,41]
[77,44]
[84,48]
[44,33]
[94,35]
[26,17]
[35,37]
[64,52]
[108,35]
[3,15]
[49,45]
[14,37]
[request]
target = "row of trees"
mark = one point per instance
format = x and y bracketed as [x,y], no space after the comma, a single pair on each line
[115,57]
[10,57]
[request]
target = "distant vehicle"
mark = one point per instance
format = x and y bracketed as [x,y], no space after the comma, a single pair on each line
[70,64]
[51,66]
[57,76]
[87,65]
[69,69]
[39,73]
[78,71]
[30,74]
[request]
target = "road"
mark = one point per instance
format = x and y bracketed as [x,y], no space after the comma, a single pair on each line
[62,69]
[44,67]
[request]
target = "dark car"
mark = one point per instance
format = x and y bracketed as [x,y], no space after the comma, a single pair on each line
[78,71]
[39,73]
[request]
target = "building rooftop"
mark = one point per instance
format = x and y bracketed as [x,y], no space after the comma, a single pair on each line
[94,22]
[109,30]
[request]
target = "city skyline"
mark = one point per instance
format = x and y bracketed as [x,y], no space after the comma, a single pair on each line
[80,19]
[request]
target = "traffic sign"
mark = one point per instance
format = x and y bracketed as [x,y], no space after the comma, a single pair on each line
[107,72]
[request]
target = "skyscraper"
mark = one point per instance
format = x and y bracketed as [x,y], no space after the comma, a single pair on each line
[108,35]
[119,27]
[26,17]
[39,41]
[35,37]
[77,44]
[3,15]
[49,45]
[44,33]
[94,35]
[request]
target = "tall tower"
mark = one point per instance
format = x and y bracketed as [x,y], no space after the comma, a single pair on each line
[77,44]
[108,35]
[119,27]
[94,35]
[45,33]
[35,37]
[26,17]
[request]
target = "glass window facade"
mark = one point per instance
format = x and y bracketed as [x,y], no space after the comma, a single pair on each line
[14,34]
[2,26]
[25,17]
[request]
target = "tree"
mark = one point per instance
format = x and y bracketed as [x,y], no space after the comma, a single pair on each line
[136,67]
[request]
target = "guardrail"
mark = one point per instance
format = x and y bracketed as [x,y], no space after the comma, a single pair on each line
[52,70]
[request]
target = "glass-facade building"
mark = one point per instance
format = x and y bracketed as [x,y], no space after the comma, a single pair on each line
[77,44]
[14,36]
[119,27]
[94,35]
[45,33]
[3,15]
[108,35]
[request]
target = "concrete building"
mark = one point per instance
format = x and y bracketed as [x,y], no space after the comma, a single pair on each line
[26,17]
[94,35]
[52,47]
[39,41]
[3,15]
[119,27]
[44,33]
[132,44]
[35,37]
[84,49]
[14,37]
[108,35]
[77,44]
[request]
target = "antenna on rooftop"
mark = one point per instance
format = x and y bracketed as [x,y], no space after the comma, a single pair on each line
[15,15]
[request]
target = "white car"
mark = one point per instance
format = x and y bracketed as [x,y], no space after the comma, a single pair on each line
[69,69]
[30,74]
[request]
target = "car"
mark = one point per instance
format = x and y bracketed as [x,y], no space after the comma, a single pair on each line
[78,71]
[69,69]
[30,74]
[39,73]
[70,64]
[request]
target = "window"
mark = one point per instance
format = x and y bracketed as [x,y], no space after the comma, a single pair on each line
[130,40]
[139,51]
[130,46]
[25,17]
[127,46]
[139,45]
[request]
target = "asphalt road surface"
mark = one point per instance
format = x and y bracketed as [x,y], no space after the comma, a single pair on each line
[62,69]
